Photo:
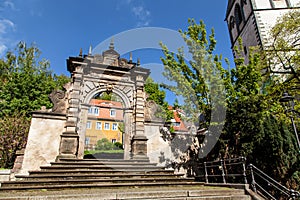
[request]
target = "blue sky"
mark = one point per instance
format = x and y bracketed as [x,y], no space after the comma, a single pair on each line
[61,27]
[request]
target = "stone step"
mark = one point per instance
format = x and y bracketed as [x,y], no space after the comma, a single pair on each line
[102,167]
[184,192]
[103,160]
[106,163]
[40,186]
[43,177]
[116,180]
[98,171]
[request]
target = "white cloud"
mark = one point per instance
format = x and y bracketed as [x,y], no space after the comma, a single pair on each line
[142,15]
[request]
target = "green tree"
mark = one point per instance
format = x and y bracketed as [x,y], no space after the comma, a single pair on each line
[198,80]
[254,117]
[26,81]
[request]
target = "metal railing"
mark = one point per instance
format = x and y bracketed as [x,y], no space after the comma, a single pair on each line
[235,171]
[227,170]
[268,187]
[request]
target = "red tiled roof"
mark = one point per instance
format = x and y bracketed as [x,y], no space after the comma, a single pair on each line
[105,106]
[177,119]
[106,103]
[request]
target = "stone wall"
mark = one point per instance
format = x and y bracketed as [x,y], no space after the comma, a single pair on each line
[43,140]
[159,150]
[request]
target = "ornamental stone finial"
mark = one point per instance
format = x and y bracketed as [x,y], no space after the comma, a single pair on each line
[112,45]
[90,50]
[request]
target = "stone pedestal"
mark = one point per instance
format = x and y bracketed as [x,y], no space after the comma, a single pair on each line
[68,145]
[139,147]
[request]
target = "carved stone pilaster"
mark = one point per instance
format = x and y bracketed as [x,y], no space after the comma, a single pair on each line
[139,140]
[70,139]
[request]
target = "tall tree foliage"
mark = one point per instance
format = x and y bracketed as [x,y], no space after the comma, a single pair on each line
[198,80]
[255,121]
[25,83]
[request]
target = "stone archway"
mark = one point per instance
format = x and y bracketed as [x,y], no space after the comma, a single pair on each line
[127,117]
[98,73]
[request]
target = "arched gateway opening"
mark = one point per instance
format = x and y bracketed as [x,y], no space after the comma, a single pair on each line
[92,77]
[105,126]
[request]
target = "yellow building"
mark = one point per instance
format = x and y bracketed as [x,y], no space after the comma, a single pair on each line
[104,119]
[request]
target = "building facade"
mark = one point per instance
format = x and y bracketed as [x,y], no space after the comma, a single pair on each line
[105,118]
[251,20]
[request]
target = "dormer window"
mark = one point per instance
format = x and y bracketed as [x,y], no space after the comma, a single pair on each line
[112,113]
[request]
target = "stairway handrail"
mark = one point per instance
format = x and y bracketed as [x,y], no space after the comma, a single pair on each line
[270,181]
[249,174]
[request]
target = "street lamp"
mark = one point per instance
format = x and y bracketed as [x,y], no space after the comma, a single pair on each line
[288,103]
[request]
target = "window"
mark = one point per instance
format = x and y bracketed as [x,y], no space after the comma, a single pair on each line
[96,111]
[114,127]
[87,141]
[106,126]
[112,113]
[98,125]
[238,15]
[280,4]
[90,110]
[113,140]
[88,124]
[176,124]
[231,23]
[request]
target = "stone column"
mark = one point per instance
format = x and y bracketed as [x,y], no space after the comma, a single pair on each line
[139,140]
[127,133]
[70,139]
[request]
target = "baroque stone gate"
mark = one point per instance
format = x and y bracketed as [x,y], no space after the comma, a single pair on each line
[59,132]
[93,74]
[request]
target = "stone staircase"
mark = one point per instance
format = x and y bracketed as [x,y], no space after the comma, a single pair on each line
[110,179]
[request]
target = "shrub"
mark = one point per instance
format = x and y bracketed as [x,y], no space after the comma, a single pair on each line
[118,145]
[13,136]
[104,144]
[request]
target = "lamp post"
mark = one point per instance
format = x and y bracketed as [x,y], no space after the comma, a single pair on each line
[288,102]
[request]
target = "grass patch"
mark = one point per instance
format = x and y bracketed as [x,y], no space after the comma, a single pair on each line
[103,151]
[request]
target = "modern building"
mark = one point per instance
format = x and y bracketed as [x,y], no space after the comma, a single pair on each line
[251,20]
[105,118]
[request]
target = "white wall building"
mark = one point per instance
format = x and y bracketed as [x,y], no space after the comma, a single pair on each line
[252,19]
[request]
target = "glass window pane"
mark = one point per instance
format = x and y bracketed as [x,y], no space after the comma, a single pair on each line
[112,113]
[98,125]
[106,126]
[88,124]
[114,126]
